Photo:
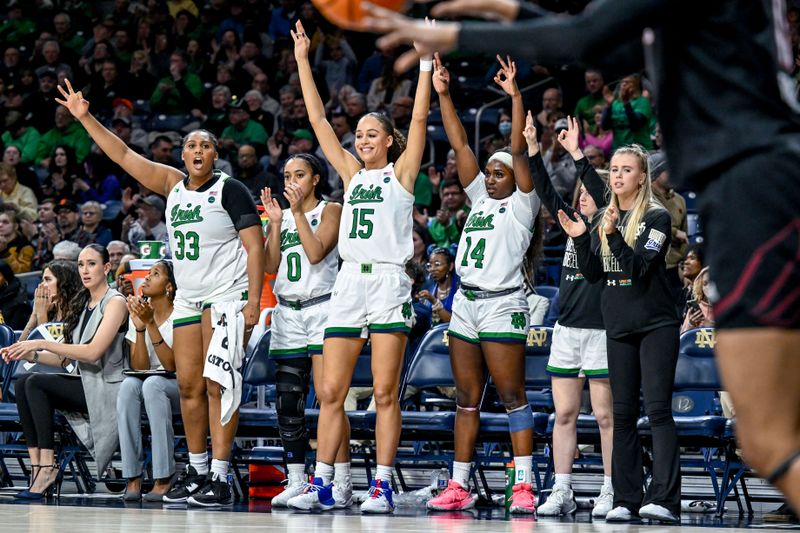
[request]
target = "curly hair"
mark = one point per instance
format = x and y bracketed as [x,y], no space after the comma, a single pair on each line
[69,284]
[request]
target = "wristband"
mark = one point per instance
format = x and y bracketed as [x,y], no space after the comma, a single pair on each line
[425,65]
[159,343]
[141,330]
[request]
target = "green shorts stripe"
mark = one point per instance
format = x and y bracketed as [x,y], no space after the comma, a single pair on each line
[288,351]
[562,372]
[315,349]
[496,336]
[391,327]
[342,332]
[187,321]
[596,373]
[464,338]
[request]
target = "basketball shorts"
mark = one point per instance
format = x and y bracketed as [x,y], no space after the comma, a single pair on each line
[578,352]
[499,319]
[298,332]
[189,311]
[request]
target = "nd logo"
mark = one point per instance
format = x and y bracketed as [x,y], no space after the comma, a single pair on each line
[705,338]
[56,330]
[537,337]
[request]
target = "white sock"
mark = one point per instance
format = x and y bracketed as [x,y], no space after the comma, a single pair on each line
[384,473]
[607,482]
[219,469]
[342,474]
[296,472]
[461,473]
[563,480]
[199,461]
[523,467]
[324,472]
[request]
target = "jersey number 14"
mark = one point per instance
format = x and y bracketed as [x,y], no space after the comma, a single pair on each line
[475,253]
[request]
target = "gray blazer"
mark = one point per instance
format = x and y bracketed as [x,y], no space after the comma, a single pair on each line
[101,382]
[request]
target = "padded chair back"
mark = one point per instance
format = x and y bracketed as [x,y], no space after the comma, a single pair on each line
[430,364]
[697,368]
[362,374]
[537,353]
[260,369]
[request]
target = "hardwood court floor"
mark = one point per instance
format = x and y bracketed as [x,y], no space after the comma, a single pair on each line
[104,514]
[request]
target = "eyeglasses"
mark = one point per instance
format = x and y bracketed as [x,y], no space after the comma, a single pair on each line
[435,264]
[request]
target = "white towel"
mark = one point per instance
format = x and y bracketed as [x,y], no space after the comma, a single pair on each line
[225,355]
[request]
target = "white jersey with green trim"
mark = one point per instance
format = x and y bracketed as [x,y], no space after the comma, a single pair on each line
[297,278]
[495,238]
[376,219]
[207,253]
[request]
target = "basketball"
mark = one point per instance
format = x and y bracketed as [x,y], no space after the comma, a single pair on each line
[348,13]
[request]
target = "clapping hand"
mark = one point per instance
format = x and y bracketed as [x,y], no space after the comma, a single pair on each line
[573,228]
[610,218]
[271,207]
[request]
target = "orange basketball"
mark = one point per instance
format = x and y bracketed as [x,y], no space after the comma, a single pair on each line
[348,13]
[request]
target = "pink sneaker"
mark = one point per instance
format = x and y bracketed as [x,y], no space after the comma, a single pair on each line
[454,498]
[523,500]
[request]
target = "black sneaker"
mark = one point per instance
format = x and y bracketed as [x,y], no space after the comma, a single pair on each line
[784,513]
[215,493]
[188,483]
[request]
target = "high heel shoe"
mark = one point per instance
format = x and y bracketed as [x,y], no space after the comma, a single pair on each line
[48,491]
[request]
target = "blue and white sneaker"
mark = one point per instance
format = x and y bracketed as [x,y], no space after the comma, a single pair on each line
[314,496]
[379,500]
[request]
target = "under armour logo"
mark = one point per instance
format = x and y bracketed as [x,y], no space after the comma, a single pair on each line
[569,277]
[611,283]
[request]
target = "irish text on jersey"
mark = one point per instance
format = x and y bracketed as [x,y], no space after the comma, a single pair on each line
[289,239]
[479,222]
[190,215]
[363,195]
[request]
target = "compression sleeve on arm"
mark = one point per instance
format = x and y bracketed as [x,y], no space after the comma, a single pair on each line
[239,203]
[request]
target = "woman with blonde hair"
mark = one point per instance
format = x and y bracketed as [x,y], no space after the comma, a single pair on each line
[641,330]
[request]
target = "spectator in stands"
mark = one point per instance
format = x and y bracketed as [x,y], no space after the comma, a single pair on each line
[17,27]
[443,285]
[282,19]
[287,96]
[215,119]
[94,334]
[13,192]
[179,91]
[422,240]
[69,225]
[585,108]
[143,83]
[642,337]
[41,105]
[445,228]
[552,101]
[242,129]
[92,223]
[136,138]
[579,341]
[226,49]
[161,151]
[107,87]
[343,132]
[560,166]
[438,176]
[595,156]
[253,175]
[14,306]
[47,234]
[15,249]
[400,111]
[336,61]
[22,136]
[62,172]
[116,250]
[597,135]
[676,205]
[66,251]
[628,114]
[261,84]
[150,345]
[25,176]
[355,107]
[124,282]
[253,100]
[51,52]
[149,226]
[66,132]
[699,311]
[60,283]
[386,89]
[693,263]
[67,37]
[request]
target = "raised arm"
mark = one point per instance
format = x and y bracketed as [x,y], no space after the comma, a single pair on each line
[317,245]
[407,166]
[344,162]
[272,248]
[541,179]
[506,79]
[155,176]
[466,162]
[570,140]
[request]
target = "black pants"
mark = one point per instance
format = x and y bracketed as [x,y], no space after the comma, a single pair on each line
[38,396]
[646,359]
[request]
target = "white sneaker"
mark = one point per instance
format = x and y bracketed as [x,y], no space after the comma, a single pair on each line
[294,487]
[379,500]
[656,512]
[342,495]
[619,514]
[314,496]
[560,502]
[604,502]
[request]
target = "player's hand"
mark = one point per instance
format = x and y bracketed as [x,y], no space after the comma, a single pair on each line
[573,228]
[506,10]
[441,76]
[73,101]
[422,52]
[250,311]
[570,137]
[530,135]
[271,207]
[294,194]
[301,42]
[610,218]
[506,76]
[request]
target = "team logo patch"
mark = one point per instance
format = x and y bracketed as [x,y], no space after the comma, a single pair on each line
[502,209]
[211,199]
[518,320]
[313,221]
[655,240]
[387,179]
[406,311]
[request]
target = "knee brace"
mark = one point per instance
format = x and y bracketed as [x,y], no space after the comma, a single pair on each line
[292,388]
[520,419]
[783,468]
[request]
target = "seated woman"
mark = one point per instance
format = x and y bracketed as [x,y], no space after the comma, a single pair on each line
[60,283]
[699,313]
[15,249]
[443,285]
[150,340]
[14,306]
[94,333]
